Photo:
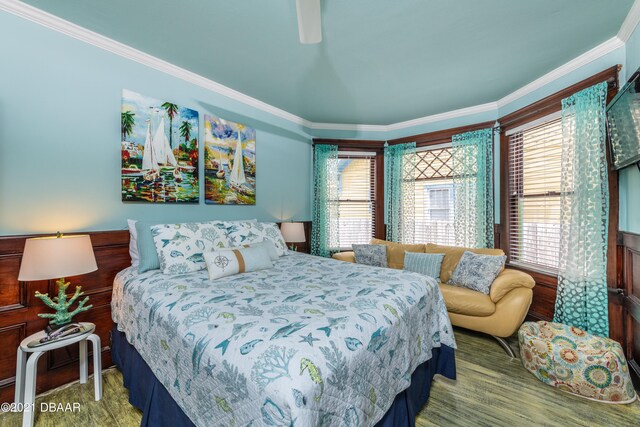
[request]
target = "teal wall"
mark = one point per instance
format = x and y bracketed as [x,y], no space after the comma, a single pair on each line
[60,138]
[630,176]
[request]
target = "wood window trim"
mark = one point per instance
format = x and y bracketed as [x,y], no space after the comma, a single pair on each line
[553,102]
[373,173]
[440,136]
[374,146]
[534,111]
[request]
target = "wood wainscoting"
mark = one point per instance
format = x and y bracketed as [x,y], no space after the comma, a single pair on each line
[630,298]
[19,308]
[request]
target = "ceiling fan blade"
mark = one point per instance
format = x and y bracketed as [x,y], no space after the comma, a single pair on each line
[309,21]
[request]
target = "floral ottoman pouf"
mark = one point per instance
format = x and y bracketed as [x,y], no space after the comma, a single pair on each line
[577,362]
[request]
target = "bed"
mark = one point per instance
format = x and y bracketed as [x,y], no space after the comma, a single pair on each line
[311,341]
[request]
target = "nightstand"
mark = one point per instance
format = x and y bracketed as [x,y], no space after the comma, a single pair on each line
[27,367]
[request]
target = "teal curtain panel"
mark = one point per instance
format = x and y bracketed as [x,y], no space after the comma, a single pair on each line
[325,236]
[399,191]
[472,159]
[582,278]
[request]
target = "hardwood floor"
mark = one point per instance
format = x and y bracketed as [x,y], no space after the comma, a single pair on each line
[491,390]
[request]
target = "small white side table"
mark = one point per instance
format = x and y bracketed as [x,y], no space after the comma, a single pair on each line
[27,367]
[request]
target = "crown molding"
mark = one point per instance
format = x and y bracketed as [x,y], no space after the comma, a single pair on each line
[70,29]
[584,59]
[348,127]
[467,111]
[630,22]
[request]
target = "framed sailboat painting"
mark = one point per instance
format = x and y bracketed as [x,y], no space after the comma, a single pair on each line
[159,151]
[230,162]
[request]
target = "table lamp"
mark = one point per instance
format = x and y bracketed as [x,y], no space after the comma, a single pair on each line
[293,232]
[57,257]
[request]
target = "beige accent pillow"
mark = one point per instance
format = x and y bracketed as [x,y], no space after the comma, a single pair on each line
[227,262]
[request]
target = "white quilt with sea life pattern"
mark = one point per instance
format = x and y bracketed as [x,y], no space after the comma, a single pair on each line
[312,341]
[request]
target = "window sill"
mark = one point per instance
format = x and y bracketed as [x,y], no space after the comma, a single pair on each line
[542,277]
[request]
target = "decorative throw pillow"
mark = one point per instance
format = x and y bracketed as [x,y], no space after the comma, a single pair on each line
[269,246]
[477,272]
[242,233]
[133,242]
[375,255]
[227,262]
[181,247]
[148,257]
[427,264]
[248,233]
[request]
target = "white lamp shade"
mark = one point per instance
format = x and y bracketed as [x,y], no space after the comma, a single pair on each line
[293,232]
[54,257]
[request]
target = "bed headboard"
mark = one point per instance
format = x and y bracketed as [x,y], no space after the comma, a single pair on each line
[19,309]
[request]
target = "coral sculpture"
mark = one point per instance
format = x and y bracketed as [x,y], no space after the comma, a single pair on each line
[60,304]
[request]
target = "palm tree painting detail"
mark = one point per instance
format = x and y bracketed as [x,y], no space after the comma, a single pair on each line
[152,169]
[185,131]
[230,162]
[128,121]
[172,110]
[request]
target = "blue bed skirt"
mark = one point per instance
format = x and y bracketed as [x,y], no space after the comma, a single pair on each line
[159,409]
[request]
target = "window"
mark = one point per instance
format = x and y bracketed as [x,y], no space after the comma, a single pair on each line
[434,196]
[535,152]
[356,198]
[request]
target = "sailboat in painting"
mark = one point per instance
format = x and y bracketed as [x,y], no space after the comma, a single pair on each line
[149,157]
[152,170]
[158,155]
[230,162]
[237,173]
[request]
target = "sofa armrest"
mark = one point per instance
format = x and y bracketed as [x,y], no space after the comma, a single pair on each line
[349,256]
[507,280]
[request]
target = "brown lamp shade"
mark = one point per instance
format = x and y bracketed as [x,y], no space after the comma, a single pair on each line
[54,257]
[293,232]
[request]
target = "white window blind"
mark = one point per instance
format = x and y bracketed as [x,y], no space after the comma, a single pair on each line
[356,198]
[534,195]
[434,196]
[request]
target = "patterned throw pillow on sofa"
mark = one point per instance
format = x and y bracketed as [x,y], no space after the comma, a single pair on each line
[375,255]
[477,272]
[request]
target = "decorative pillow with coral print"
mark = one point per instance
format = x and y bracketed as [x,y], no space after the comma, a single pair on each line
[477,272]
[248,233]
[374,255]
[181,247]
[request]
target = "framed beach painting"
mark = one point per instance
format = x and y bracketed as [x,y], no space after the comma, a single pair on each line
[159,151]
[230,162]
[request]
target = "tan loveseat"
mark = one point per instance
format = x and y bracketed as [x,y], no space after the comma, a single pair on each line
[498,314]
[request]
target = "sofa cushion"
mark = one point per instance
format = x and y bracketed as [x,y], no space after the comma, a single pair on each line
[452,255]
[467,302]
[348,256]
[374,255]
[395,252]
